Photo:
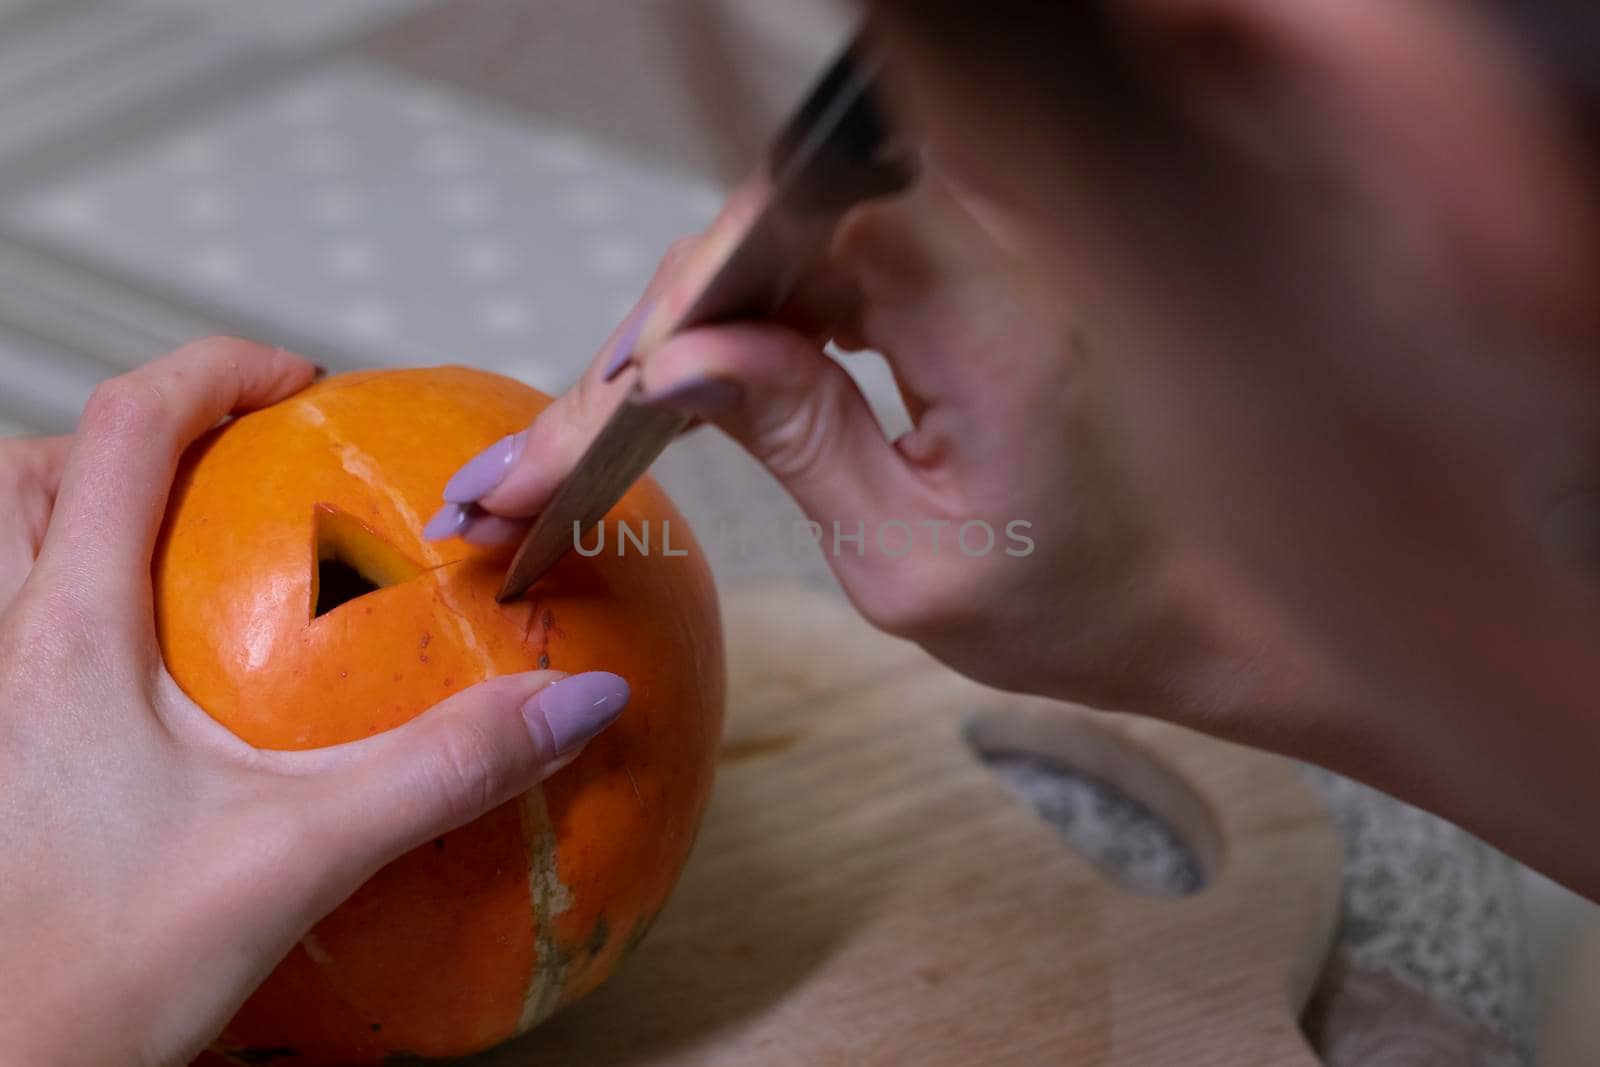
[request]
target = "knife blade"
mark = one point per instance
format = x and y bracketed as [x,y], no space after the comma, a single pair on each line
[836,151]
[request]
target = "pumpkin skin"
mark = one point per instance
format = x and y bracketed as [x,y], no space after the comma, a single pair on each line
[472,938]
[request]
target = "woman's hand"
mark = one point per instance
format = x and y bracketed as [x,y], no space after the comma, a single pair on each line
[1000,533]
[153,867]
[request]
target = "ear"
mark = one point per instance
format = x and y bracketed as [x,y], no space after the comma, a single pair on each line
[1425,111]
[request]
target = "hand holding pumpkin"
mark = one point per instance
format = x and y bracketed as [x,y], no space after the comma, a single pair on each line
[157,867]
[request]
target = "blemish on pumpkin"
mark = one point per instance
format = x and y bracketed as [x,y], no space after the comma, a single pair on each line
[438,843]
[375,1027]
[550,896]
[754,748]
[598,939]
[545,620]
[548,620]
[448,682]
[426,637]
[535,604]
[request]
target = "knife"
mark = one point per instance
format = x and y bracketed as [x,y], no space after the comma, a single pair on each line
[835,152]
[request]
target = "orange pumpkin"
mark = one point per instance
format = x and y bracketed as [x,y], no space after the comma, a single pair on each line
[480,934]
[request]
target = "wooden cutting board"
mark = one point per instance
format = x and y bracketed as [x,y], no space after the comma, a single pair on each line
[865,891]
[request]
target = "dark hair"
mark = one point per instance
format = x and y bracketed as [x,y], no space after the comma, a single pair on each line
[1073,52]
[1566,36]
[1076,41]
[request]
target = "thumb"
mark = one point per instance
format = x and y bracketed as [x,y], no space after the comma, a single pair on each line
[470,753]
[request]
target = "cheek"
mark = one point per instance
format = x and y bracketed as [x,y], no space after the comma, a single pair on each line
[1333,451]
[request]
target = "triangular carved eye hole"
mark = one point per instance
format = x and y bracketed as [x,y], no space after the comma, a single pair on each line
[352,560]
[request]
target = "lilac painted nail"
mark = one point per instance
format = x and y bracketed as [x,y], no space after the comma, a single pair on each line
[447,522]
[622,351]
[577,707]
[480,474]
[706,397]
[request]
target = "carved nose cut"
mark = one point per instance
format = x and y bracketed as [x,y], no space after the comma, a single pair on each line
[351,560]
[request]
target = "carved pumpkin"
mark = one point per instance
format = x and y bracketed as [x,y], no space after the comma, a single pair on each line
[298,604]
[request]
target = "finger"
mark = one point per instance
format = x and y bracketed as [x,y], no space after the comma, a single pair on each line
[516,476]
[119,469]
[30,472]
[825,306]
[487,529]
[796,411]
[476,750]
[474,525]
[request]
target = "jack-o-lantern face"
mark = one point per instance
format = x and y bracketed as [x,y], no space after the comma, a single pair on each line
[298,603]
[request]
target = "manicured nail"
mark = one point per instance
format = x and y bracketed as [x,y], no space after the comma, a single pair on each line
[577,707]
[705,397]
[480,474]
[622,351]
[447,522]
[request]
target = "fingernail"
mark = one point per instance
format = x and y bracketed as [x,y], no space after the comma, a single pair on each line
[622,351]
[480,474]
[706,397]
[577,707]
[446,523]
